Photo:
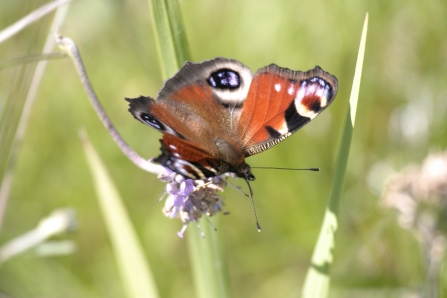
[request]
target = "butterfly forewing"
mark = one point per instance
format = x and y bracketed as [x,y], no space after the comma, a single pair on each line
[281,101]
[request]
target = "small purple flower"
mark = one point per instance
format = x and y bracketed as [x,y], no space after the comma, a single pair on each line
[189,199]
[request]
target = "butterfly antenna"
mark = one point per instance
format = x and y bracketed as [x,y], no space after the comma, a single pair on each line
[253,204]
[238,189]
[289,169]
[211,224]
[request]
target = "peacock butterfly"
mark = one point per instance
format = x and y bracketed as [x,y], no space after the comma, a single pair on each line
[215,113]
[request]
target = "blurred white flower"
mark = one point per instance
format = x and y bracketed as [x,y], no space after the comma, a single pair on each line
[419,195]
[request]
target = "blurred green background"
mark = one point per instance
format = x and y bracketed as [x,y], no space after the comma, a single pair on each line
[401,118]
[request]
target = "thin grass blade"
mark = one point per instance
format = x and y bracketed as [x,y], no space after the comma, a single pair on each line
[134,270]
[12,130]
[317,279]
[208,259]
[170,36]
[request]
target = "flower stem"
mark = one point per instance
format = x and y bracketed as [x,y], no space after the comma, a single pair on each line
[205,253]
[70,48]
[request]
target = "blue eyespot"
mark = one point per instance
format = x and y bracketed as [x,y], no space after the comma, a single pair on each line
[151,121]
[225,79]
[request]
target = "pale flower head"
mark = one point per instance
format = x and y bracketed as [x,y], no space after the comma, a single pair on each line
[189,199]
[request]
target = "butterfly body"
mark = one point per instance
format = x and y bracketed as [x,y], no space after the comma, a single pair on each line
[214,114]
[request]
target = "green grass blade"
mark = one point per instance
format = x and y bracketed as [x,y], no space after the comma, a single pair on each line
[210,274]
[14,119]
[209,265]
[170,35]
[317,279]
[136,275]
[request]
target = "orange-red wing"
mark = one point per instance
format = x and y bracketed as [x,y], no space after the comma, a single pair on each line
[279,102]
[184,157]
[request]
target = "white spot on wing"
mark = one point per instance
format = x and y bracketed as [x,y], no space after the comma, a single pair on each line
[311,89]
[283,129]
[300,95]
[278,87]
[323,101]
[305,112]
[291,89]
[172,147]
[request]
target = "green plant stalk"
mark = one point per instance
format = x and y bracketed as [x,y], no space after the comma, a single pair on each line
[132,264]
[207,258]
[170,37]
[317,279]
[208,265]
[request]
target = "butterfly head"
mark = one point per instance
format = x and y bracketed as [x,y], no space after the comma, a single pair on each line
[244,171]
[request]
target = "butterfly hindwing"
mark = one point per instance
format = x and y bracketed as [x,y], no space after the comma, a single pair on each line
[185,158]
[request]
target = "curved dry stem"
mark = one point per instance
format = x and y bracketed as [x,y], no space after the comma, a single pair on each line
[60,221]
[68,46]
[30,18]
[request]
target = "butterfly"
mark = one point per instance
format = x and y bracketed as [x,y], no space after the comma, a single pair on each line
[215,113]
